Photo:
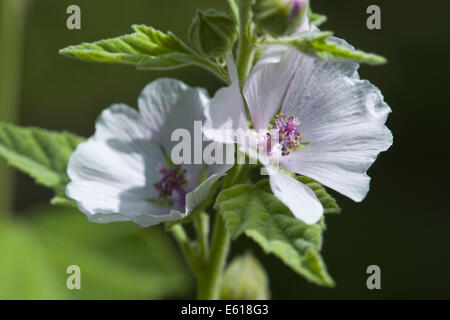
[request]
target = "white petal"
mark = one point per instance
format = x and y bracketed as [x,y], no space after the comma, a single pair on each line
[169,104]
[267,84]
[299,198]
[342,120]
[199,194]
[146,220]
[123,119]
[305,25]
[226,110]
[113,172]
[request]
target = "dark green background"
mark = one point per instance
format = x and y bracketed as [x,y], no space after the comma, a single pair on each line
[402,226]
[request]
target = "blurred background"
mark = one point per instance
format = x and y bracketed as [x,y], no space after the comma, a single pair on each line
[402,226]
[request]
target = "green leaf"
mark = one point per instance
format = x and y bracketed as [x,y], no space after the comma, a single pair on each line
[329,204]
[318,45]
[146,48]
[63,201]
[254,211]
[315,18]
[137,48]
[42,154]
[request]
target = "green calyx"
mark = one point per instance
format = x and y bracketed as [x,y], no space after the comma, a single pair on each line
[278,17]
[245,279]
[212,32]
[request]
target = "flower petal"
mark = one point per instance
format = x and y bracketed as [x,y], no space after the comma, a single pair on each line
[342,120]
[305,25]
[113,172]
[120,118]
[226,111]
[199,194]
[299,198]
[169,104]
[270,79]
[267,84]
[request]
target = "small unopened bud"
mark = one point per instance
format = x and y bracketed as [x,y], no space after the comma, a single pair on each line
[279,17]
[245,279]
[212,32]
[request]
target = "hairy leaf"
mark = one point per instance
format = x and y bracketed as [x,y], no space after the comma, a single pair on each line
[144,44]
[146,48]
[254,211]
[320,45]
[316,18]
[40,153]
[329,204]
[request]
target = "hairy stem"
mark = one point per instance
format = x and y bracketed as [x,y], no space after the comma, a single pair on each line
[201,221]
[212,262]
[211,274]
[185,245]
[215,69]
[246,48]
[210,277]
[12,17]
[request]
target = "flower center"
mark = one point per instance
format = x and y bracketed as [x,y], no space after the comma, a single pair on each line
[288,135]
[172,180]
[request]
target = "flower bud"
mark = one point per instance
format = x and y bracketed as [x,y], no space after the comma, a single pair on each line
[279,17]
[245,279]
[212,32]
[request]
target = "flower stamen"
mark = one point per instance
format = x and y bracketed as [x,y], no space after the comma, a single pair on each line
[289,136]
[172,180]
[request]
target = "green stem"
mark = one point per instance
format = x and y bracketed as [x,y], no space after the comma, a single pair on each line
[241,173]
[246,49]
[12,20]
[215,69]
[201,221]
[185,246]
[235,9]
[210,277]
[211,274]
[212,262]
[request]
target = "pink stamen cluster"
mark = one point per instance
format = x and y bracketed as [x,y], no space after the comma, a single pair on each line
[172,180]
[288,134]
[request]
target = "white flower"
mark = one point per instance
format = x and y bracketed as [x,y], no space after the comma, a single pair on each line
[330,123]
[122,173]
